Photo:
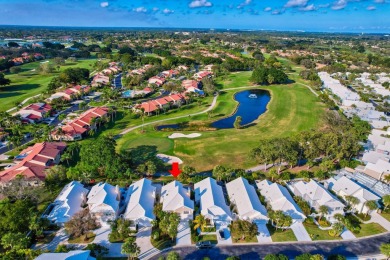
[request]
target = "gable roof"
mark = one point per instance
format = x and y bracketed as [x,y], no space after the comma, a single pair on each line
[212,200]
[68,202]
[315,192]
[140,197]
[174,196]
[351,188]
[103,193]
[71,255]
[34,161]
[279,198]
[244,196]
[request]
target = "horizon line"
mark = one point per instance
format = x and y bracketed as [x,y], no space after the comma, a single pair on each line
[200,29]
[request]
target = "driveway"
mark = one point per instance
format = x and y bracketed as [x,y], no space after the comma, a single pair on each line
[143,241]
[300,232]
[264,235]
[183,233]
[375,217]
[347,234]
[60,238]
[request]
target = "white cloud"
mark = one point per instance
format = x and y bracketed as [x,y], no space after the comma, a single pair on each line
[155,9]
[267,9]
[245,3]
[104,4]
[296,3]
[277,12]
[308,8]
[167,11]
[140,9]
[200,3]
[371,8]
[379,1]
[340,4]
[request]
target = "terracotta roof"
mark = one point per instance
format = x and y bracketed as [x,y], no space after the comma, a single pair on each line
[31,166]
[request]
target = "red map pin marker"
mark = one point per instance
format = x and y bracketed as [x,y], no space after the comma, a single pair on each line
[175,170]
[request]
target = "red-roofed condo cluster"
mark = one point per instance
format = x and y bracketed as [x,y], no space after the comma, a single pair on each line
[75,129]
[34,160]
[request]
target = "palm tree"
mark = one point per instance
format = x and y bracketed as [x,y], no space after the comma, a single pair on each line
[324,210]
[387,178]
[65,157]
[130,248]
[386,201]
[200,222]
[371,206]
[352,201]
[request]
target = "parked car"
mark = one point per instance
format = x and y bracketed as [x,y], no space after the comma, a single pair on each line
[204,244]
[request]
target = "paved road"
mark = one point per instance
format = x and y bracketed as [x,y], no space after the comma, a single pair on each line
[361,247]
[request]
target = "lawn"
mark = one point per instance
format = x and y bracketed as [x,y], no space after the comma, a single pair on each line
[386,215]
[293,108]
[318,234]
[370,229]
[211,237]
[81,240]
[281,235]
[237,239]
[29,83]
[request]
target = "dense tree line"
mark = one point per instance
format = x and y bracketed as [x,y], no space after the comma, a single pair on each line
[339,141]
[268,75]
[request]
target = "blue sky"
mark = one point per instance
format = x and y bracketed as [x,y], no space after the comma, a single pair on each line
[307,15]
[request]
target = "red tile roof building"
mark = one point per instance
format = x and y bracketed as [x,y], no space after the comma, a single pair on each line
[155,105]
[75,129]
[36,159]
[35,112]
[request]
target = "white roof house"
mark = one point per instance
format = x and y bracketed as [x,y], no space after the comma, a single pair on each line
[244,197]
[140,200]
[212,201]
[379,169]
[103,201]
[279,198]
[316,195]
[68,202]
[346,187]
[71,255]
[176,198]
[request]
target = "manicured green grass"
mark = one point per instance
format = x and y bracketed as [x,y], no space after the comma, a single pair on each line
[81,240]
[318,234]
[293,108]
[281,235]
[386,216]
[211,237]
[370,229]
[29,83]
[237,239]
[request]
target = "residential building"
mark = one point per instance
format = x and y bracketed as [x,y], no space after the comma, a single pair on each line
[316,195]
[245,200]
[211,200]
[75,129]
[176,198]
[69,202]
[279,198]
[103,202]
[344,186]
[34,113]
[202,74]
[34,161]
[140,200]
[71,255]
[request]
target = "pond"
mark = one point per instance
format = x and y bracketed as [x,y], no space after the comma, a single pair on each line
[252,104]
[168,127]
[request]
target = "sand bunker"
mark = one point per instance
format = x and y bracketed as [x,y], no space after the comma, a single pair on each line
[180,135]
[169,159]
